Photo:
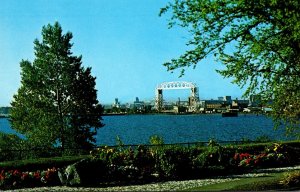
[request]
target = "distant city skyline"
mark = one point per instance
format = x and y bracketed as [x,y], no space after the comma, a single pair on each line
[170,99]
[125,43]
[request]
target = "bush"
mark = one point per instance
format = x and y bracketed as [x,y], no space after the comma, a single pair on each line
[127,163]
[124,165]
[215,160]
[252,148]
[85,172]
[246,160]
[210,157]
[179,162]
[173,162]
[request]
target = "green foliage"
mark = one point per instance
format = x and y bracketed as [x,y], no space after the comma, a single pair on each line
[123,165]
[209,157]
[9,144]
[173,162]
[257,41]
[156,140]
[213,143]
[126,163]
[179,162]
[119,142]
[214,157]
[57,101]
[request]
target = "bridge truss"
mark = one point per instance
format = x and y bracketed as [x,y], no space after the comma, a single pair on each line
[193,99]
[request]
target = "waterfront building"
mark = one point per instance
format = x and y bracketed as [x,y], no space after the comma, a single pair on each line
[138,105]
[239,105]
[227,99]
[243,103]
[116,104]
[223,104]
[213,105]
[116,107]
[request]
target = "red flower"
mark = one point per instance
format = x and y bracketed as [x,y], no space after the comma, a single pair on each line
[236,156]
[24,176]
[2,175]
[245,156]
[37,175]
[16,173]
[248,161]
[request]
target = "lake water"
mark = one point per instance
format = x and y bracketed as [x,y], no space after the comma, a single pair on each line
[136,129]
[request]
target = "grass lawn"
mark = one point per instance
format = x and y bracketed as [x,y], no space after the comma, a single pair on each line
[41,163]
[268,182]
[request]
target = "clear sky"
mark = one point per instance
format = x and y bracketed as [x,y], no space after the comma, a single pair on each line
[124,41]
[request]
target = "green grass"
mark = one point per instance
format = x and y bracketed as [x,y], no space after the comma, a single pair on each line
[269,182]
[41,163]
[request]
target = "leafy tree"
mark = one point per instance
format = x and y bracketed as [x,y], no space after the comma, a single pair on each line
[258,41]
[57,101]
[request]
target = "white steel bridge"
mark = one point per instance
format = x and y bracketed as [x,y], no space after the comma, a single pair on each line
[193,99]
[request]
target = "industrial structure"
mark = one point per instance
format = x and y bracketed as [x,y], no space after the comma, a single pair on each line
[193,101]
[191,105]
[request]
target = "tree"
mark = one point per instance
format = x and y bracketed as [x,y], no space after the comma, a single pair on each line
[57,101]
[258,41]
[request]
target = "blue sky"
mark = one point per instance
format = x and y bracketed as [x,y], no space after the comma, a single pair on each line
[124,41]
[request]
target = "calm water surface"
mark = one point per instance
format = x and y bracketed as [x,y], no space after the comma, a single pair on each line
[136,129]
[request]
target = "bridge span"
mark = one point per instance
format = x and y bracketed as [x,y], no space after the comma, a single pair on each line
[193,99]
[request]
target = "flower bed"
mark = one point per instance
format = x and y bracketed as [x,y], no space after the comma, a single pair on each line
[17,179]
[121,165]
[274,156]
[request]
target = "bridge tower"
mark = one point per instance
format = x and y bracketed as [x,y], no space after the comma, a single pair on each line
[158,99]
